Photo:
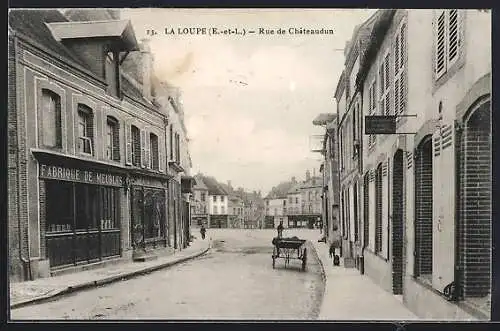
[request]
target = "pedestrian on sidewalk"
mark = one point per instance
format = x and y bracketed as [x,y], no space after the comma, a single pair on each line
[203,231]
[335,258]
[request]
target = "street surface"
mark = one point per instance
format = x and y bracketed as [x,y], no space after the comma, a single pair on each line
[234,280]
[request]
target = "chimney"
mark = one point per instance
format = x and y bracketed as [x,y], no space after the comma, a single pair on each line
[229,184]
[294,180]
[147,67]
[308,175]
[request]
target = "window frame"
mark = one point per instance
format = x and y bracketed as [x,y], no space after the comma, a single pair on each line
[58,115]
[114,124]
[448,61]
[85,116]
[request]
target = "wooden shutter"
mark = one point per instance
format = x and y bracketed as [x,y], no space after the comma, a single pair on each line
[116,141]
[443,206]
[396,54]
[160,155]
[128,143]
[147,149]
[440,43]
[453,35]
[143,148]
[403,72]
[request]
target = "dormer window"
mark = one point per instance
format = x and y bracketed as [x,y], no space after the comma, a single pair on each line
[111,73]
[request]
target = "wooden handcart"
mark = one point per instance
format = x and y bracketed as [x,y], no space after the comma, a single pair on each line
[289,249]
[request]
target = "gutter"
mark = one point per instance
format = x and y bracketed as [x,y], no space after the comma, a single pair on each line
[26,261]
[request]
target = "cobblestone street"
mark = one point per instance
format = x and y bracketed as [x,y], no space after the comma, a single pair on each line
[235,280]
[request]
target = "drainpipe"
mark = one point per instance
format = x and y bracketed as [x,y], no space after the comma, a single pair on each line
[457,274]
[26,261]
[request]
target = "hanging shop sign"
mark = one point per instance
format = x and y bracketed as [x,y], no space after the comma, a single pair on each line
[78,175]
[380,124]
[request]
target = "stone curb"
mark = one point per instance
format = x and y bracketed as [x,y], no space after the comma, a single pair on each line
[325,280]
[106,280]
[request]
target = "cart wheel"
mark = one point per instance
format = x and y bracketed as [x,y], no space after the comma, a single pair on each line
[304,260]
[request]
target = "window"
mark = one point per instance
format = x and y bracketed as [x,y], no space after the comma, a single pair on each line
[136,146]
[355,209]
[155,162]
[222,199]
[400,72]
[384,84]
[112,139]
[378,209]
[354,115]
[51,119]
[216,211]
[215,198]
[296,200]
[177,148]
[85,129]
[222,210]
[447,40]
[112,74]
[341,131]
[171,143]
[203,197]
[284,202]
[372,109]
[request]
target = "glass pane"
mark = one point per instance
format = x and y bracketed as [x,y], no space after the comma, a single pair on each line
[49,114]
[59,206]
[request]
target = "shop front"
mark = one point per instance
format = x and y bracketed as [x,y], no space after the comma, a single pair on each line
[149,228]
[80,214]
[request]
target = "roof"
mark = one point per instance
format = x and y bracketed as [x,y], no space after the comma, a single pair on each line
[280,191]
[199,183]
[96,29]
[324,118]
[294,189]
[382,21]
[309,183]
[32,24]
[214,188]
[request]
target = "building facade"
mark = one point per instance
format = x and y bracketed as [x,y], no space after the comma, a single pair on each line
[199,208]
[87,146]
[330,178]
[349,101]
[427,188]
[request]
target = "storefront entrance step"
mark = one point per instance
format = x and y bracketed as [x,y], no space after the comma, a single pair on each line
[145,258]
[84,267]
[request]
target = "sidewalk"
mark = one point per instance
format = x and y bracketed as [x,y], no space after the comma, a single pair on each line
[41,289]
[352,296]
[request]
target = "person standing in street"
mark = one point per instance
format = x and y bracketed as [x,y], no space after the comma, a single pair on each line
[203,231]
[280,230]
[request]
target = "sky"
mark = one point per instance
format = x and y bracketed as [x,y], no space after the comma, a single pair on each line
[249,101]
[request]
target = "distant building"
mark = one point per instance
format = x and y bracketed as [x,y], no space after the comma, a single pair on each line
[218,213]
[200,206]
[296,204]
